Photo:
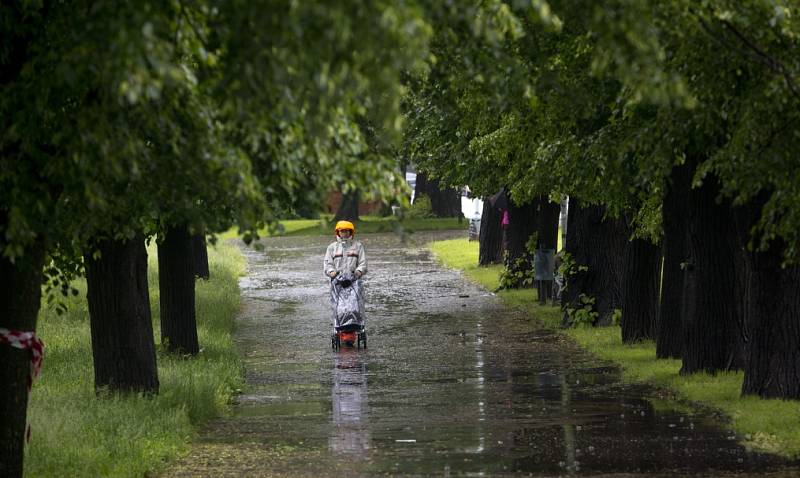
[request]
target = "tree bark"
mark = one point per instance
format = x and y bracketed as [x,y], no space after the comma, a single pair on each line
[521,226]
[491,236]
[200,256]
[712,291]
[547,230]
[772,367]
[177,294]
[598,244]
[669,340]
[445,202]
[640,291]
[348,209]
[119,315]
[20,297]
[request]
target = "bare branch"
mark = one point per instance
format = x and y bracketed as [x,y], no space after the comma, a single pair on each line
[752,50]
[771,62]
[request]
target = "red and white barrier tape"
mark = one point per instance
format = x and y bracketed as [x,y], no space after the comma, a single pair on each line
[26,341]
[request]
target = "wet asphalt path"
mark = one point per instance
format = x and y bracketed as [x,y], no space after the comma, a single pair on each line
[452,384]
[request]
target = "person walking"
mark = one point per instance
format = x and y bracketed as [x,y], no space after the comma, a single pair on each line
[345,254]
[345,263]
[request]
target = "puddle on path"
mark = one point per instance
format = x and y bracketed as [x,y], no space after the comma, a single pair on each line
[452,384]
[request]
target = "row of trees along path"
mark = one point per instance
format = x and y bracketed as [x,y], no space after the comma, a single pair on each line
[673,129]
[122,122]
[175,121]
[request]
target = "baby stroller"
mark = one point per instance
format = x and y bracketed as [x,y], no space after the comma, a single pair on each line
[347,301]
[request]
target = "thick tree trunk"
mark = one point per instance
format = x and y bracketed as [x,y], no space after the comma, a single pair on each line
[445,202]
[200,256]
[547,230]
[712,291]
[669,341]
[348,209]
[491,236]
[640,291]
[176,287]
[599,245]
[20,296]
[521,226]
[119,314]
[772,307]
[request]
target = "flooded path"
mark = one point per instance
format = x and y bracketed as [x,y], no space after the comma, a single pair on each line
[452,384]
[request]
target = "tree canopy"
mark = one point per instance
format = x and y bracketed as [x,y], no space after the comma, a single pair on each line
[124,118]
[600,100]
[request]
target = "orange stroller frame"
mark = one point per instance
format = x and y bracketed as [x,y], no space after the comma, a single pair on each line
[353,336]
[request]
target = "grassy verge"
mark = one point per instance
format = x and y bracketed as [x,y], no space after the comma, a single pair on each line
[759,424]
[76,433]
[367,224]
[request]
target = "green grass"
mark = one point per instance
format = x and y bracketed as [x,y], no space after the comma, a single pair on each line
[76,433]
[367,225]
[760,424]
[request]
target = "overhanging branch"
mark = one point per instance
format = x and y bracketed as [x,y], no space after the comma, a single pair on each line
[752,50]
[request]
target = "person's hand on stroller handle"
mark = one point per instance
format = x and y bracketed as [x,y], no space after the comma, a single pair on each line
[333,274]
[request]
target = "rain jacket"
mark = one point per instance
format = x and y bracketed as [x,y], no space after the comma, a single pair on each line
[345,256]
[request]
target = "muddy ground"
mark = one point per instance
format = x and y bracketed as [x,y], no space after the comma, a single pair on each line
[452,384]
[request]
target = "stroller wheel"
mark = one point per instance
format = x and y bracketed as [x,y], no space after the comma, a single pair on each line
[362,339]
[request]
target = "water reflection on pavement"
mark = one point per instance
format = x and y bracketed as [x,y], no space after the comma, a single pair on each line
[452,384]
[350,406]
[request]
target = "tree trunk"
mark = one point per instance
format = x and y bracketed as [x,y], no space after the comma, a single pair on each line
[597,244]
[640,291]
[348,209]
[445,202]
[772,307]
[20,296]
[176,287]
[712,319]
[491,236]
[119,314]
[200,256]
[547,231]
[669,341]
[521,226]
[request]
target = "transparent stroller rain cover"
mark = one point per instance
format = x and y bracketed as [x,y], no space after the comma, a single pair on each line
[347,302]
